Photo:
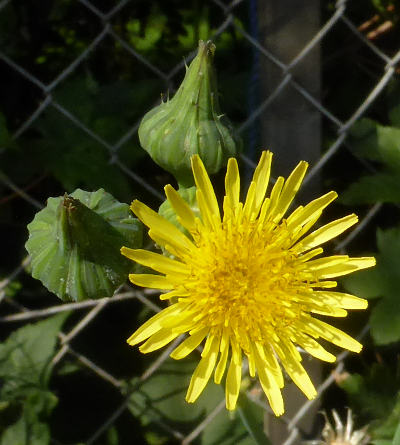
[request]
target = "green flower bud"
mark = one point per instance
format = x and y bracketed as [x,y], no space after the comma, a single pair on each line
[75,241]
[190,123]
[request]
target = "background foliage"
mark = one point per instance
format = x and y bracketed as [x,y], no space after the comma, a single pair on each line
[48,397]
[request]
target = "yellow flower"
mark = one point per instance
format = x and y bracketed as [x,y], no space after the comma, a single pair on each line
[247,283]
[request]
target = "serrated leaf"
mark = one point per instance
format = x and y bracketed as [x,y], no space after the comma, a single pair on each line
[381,187]
[25,356]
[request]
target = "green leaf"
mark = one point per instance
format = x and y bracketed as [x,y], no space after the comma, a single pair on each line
[163,395]
[377,142]
[112,436]
[373,395]
[153,31]
[75,244]
[24,432]
[396,438]
[29,429]
[75,158]
[382,281]
[364,139]
[381,187]
[25,356]
[389,146]
[385,321]
[12,288]
[394,116]
[253,420]
[25,366]
[161,400]
[365,283]
[353,384]
[386,427]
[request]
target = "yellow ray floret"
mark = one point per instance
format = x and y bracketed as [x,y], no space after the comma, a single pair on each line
[246,285]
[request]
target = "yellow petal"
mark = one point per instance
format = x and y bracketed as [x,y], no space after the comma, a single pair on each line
[175,249]
[289,358]
[172,294]
[182,208]
[158,340]
[330,311]
[311,254]
[150,280]
[203,183]
[248,208]
[159,225]
[290,189]
[269,383]
[224,350]
[261,178]
[346,301]
[273,365]
[299,230]
[182,322]
[252,362]
[338,265]
[203,370]
[326,233]
[314,348]
[236,351]
[153,325]
[232,387]
[263,212]
[274,198]
[206,214]
[190,344]
[158,262]
[232,183]
[318,328]
[308,213]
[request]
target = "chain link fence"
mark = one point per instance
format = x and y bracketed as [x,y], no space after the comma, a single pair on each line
[16,312]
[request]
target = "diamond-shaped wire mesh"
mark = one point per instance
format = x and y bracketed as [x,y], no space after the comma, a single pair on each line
[98,61]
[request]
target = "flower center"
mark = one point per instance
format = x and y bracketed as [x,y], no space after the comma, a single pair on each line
[246,279]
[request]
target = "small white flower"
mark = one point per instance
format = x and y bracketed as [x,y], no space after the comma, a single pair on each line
[340,434]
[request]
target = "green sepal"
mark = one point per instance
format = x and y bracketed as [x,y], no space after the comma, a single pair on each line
[75,241]
[191,123]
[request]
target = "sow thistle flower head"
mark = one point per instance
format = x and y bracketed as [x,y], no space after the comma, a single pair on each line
[246,284]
